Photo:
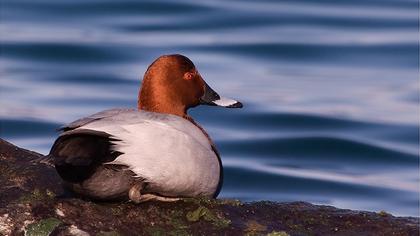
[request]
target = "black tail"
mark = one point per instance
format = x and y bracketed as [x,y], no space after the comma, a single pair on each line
[78,153]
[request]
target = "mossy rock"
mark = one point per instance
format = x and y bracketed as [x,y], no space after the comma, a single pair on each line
[43,227]
[278,233]
[32,192]
[203,212]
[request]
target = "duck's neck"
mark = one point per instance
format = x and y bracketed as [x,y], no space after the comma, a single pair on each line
[161,104]
[166,109]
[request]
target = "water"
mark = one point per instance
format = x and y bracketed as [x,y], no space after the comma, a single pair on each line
[330,87]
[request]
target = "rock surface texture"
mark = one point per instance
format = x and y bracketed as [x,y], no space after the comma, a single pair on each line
[32,202]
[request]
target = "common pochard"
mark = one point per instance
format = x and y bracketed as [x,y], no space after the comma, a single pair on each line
[154,152]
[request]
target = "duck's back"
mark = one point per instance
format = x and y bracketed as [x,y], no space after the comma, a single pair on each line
[172,155]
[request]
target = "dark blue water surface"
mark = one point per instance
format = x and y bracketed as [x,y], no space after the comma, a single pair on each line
[330,87]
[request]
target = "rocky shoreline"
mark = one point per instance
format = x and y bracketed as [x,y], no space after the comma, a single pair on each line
[32,202]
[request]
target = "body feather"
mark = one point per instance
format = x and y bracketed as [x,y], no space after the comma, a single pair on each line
[172,155]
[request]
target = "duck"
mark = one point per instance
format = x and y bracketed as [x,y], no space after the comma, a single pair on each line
[155,152]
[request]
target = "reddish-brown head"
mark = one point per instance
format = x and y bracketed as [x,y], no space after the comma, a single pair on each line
[172,84]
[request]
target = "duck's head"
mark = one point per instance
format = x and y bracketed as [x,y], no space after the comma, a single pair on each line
[172,85]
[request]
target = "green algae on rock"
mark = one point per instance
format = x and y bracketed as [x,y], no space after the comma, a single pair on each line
[278,233]
[208,215]
[42,228]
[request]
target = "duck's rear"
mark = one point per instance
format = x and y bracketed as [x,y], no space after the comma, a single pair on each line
[79,157]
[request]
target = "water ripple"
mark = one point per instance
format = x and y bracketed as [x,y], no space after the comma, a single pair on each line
[55,53]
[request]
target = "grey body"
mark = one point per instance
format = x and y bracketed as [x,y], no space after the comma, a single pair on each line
[104,155]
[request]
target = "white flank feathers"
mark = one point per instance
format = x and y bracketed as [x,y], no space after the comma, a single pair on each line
[171,153]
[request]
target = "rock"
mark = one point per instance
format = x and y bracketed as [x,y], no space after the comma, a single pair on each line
[33,202]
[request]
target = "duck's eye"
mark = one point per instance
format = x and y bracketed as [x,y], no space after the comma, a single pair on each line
[188,76]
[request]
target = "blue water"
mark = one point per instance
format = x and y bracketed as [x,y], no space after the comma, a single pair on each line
[330,87]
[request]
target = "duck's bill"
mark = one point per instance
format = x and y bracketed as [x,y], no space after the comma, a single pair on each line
[211,98]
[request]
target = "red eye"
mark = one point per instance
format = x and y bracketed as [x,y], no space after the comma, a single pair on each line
[188,76]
